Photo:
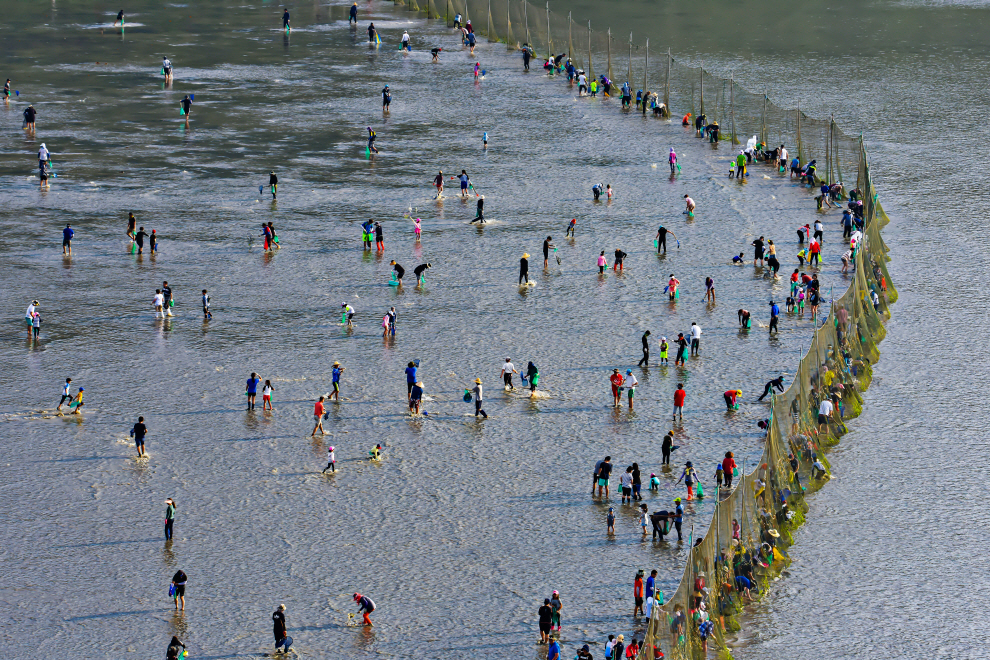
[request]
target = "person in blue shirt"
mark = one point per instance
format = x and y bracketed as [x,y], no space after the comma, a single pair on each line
[651,584]
[67,234]
[285,19]
[337,370]
[678,517]
[410,378]
[353,15]
[847,223]
[795,168]
[252,389]
[367,228]
[553,653]
[774,314]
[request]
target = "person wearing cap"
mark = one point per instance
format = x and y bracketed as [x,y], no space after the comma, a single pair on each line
[524,269]
[777,383]
[138,432]
[678,517]
[331,460]
[29,314]
[585,653]
[398,270]
[278,620]
[77,403]
[553,651]
[616,380]
[690,477]
[379,237]
[630,384]
[682,350]
[365,606]
[774,316]
[172,653]
[386,93]
[507,370]
[610,521]
[555,607]
[415,397]
[618,649]
[478,398]
[664,346]
[348,314]
[335,378]
[730,398]
[169,513]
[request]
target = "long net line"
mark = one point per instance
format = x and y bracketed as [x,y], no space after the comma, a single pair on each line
[746,544]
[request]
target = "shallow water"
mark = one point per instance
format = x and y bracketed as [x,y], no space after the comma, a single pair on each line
[464,526]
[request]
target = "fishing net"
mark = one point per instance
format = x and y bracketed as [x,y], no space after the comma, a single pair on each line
[745,545]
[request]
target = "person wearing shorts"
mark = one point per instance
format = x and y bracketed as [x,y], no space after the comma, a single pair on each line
[65,394]
[824,412]
[67,234]
[179,584]
[318,417]
[603,474]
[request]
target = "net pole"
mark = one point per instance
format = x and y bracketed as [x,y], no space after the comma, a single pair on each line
[702,76]
[508,29]
[763,131]
[666,85]
[629,77]
[732,106]
[591,69]
[570,36]
[549,43]
[646,69]
[828,154]
[608,70]
[800,156]
[489,20]
[446,15]
[529,41]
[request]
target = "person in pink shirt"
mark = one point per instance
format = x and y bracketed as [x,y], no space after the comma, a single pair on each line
[602,264]
[672,285]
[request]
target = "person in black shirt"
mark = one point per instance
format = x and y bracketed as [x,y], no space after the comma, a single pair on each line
[546,250]
[353,15]
[273,182]
[29,116]
[524,269]
[285,19]
[371,32]
[167,292]
[186,104]
[139,239]
[758,250]
[619,256]
[420,270]
[139,431]
[278,618]
[120,18]
[645,362]
[545,613]
[399,271]
[662,239]
[666,447]
[776,382]
[604,471]
[386,99]
[179,583]
[682,345]
[173,649]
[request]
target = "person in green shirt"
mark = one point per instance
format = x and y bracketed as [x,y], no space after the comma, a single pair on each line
[169,517]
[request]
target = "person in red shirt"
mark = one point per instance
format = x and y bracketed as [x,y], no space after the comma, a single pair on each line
[728,465]
[730,398]
[679,397]
[638,592]
[616,380]
[815,248]
[318,417]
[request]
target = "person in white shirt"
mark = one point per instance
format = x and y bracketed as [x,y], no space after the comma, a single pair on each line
[159,303]
[405,40]
[695,339]
[582,84]
[819,231]
[782,158]
[167,68]
[824,413]
[331,460]
[507,370]
[29,314]
[626,482]
[630,384]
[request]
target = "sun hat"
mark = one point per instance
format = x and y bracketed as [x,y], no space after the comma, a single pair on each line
[477,380]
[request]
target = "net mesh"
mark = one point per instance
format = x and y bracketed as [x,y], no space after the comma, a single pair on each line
[745,545]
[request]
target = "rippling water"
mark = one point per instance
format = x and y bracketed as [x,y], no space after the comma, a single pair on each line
[465,526]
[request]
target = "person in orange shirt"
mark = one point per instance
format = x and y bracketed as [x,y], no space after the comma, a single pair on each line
[318,417]
[616,380]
